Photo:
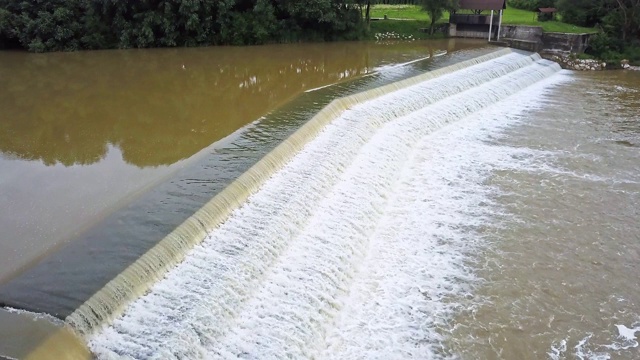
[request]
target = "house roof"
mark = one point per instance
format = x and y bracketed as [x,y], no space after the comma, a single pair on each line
[547,10]
[483,4]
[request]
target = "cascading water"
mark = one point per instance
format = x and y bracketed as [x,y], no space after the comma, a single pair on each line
[137,278]
[298,269]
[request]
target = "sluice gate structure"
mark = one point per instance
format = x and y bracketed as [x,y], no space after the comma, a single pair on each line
[266,267]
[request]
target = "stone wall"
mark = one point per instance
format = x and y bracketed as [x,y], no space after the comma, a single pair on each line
[530,38]
[575,43]
[521,37]
[521,32]
[568,61]
[532,46]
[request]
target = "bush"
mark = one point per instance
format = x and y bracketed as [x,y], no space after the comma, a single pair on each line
[584,56]
[64,25]
[42,25]
[587,13]
[613,50]
[632,53]
[601,44]
[531,5]
[545,16]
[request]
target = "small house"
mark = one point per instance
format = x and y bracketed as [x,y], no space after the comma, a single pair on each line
[477,19]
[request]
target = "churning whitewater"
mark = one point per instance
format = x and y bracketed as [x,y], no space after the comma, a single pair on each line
[359,246]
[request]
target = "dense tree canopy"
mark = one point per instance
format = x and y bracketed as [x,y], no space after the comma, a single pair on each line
[619,18]
[531,5]
[54,25]
[619,21]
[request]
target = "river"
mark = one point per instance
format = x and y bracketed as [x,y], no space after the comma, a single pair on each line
[84,134]
[560,276]
[488,213]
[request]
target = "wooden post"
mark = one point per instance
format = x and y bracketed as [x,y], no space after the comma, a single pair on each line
[499,24]
[490,25]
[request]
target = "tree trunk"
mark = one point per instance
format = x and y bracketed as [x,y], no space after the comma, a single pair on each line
[625,24]
[367,16]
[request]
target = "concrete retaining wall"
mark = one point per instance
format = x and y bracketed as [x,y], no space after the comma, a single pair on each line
[533,38]
[520,32]
[575,43]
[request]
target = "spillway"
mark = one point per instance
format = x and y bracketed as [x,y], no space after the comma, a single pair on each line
[344,242]
[351,239]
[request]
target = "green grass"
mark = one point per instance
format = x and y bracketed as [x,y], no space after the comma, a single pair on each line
[511,16]
[412,12]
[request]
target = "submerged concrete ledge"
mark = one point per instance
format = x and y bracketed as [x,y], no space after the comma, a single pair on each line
[31,337]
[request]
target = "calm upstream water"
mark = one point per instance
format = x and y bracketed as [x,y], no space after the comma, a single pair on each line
[491,212]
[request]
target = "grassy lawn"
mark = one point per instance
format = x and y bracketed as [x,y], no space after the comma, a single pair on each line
[523,17]
[511,16]
[412,12]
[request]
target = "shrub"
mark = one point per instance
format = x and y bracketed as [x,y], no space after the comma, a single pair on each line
[531,5]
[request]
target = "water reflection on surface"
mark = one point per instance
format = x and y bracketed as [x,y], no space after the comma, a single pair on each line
[160,106]
[83,134]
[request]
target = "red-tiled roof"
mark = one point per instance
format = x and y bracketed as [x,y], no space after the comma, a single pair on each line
[483,4]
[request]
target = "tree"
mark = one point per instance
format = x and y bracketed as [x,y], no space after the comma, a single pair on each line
[618,18]
[625,17]
[531,5]
[364,8]
[582,12]
[62,25]
[435,9]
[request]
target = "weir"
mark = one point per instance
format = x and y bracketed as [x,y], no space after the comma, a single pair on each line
[273,255]
[136,280]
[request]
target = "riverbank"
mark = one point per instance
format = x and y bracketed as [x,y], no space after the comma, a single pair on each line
[583,62]
[511,16]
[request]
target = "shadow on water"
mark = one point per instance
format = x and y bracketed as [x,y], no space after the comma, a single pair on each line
[157,112]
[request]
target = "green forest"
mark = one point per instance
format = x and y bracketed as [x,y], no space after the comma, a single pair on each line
[67,25]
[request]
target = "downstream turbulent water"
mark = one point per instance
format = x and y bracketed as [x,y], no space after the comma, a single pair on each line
[377,239]
[561,273]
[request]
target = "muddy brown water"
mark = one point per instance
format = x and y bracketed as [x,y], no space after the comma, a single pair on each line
[103,153]
[561,278]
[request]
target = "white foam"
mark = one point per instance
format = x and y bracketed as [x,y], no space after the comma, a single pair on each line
[393,66]
[35,316]
[583,352]
[586,349]
[352,249]
[627,334]
[558,351]
[626,338]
